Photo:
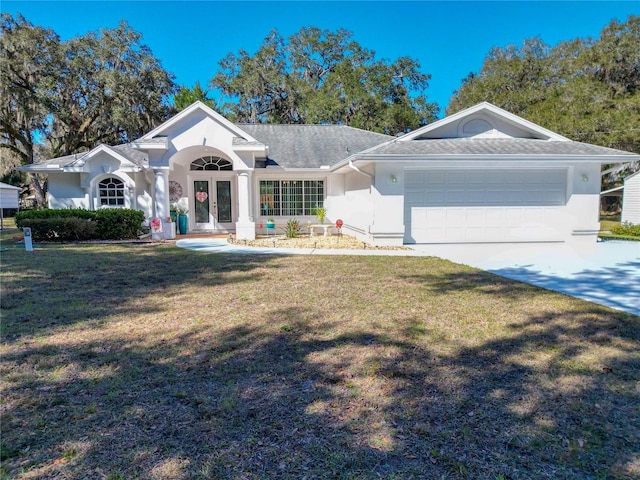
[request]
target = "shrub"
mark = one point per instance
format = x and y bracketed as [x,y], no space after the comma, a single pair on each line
[62,229]
[117,224]
[26,215]
[293,228]
[627,229]
[80,224]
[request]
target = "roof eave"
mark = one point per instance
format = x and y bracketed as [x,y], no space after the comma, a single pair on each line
[258,148]
[151,145]
[38,168]
[374,158]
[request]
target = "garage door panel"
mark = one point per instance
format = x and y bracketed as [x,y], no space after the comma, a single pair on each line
[475,218]
[455,178]
[493,233]
[455,235]
[454,197]
[435,197]
[454,215]
[435,214]
[484,205]
[415,178]
[435,178]
[512,216]
[416,197]
[494,216]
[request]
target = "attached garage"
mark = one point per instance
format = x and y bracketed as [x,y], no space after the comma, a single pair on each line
[482,175]
[484,205]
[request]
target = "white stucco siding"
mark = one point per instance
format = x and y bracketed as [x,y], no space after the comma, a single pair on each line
[102,163]
[197,136]
[388,205]
[355,207]
[631,199]
[65,191]
[485,205]
[142,198]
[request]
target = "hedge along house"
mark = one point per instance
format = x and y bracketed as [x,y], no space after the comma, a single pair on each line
[481,175]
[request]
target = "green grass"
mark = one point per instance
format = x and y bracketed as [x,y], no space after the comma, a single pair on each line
[605,225]
[612,236]
[147,361]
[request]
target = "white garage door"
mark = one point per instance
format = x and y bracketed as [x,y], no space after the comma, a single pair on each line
[465,206]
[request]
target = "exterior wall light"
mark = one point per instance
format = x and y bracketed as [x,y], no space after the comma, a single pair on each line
[394,179]
[585,178]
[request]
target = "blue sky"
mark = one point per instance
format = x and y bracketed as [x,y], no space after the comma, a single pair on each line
[448,38]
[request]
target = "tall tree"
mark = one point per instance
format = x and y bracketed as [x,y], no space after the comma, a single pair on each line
[319,76]
[585,89]
[26,53]
[101,87]
[185,96]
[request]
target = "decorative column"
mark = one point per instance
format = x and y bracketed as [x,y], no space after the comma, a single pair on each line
[161,192]
[245,226]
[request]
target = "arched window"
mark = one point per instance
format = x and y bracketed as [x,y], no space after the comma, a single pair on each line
[211,163]
[111,192]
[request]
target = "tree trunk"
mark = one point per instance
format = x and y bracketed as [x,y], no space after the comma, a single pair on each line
[37,190]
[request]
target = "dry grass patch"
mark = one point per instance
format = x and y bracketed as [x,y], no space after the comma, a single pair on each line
[134,361]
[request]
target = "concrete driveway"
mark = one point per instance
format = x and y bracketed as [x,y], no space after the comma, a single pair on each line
[607,274]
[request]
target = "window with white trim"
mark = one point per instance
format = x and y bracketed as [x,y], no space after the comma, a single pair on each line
[111,192]
[290,197]
[211,163]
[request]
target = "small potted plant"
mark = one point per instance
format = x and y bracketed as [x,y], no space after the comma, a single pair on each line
[271,223]
[320,212]
[183,219]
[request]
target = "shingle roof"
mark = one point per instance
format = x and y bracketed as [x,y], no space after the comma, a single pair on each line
[312,146]
[493,146]
[137,157]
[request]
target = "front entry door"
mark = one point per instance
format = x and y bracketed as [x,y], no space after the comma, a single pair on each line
[212,200]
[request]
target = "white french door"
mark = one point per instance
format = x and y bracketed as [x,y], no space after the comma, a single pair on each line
[212,201]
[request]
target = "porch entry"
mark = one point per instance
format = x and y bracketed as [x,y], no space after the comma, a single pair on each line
[212,202]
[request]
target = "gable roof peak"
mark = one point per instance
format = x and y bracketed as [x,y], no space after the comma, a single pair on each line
[190,110]
[488,110]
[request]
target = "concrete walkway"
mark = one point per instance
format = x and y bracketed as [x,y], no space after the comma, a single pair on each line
[607,274]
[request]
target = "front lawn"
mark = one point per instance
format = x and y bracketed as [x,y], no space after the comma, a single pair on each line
[606,225]
[148,361]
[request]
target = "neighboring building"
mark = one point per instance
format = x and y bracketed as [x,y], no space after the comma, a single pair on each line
[9,200]
[631,199]
[480,175]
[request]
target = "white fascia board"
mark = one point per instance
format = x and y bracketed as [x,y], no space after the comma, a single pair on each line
[485,158]
[617,167]
[44,168]
[346,161]
[261,148]
[148,145]
[612,190]
[305,170]
[198,105]
[485,106]
[130,168]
